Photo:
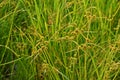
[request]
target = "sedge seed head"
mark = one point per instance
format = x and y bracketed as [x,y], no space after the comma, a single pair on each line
[43,47]
[94,16]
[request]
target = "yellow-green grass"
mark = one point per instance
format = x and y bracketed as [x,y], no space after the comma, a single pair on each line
[60,39]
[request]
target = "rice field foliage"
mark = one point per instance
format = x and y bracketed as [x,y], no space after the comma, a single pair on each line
[59,40]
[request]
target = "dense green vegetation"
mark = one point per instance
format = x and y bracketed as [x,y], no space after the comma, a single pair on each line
[59,40]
